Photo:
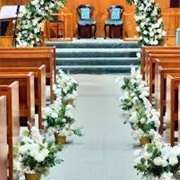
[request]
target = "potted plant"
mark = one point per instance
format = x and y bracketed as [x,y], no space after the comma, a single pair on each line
[66,87]
[152,162]
[35,154]
[59,119]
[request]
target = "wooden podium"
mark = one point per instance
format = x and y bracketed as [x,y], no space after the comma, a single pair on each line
[64,23]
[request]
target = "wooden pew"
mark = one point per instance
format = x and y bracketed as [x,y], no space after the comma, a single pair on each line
[149,64]
[179,114]
[171,115]
[162,70]
[39,85]
[31,57]
[151,49]
[151,68]
[145,51]
[11,92]
[26,94]
[3,139]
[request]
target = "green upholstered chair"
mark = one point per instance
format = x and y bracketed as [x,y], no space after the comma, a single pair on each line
[115,19]
[85,12]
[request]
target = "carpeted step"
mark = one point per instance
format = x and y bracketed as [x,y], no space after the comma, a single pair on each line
[115,43]
[95,70]
[95,52]
[96,61]
[96,56]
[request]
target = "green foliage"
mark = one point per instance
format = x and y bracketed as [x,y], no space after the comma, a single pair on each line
[130,2]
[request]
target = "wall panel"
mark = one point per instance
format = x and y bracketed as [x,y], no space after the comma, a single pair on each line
[171,20]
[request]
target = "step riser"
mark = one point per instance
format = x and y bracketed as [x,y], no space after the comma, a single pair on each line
[97,54]
[95,71]
[95,62]
[97,45]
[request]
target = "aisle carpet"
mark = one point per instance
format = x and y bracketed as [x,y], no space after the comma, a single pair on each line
[106,150]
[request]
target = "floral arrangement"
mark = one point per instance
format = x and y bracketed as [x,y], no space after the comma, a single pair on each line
[135,90]
[59,119]
[143,118]
[65,86]
[59,116]
[30,21]
[34,153]
[149,22]
[156,160]
[153,162]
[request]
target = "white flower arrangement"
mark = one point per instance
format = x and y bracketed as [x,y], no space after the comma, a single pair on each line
[149,22]
[65,86]
[135,91]
[35,154]
[58,118]
[152,164]
[143,118]
[30,21]
[158,161]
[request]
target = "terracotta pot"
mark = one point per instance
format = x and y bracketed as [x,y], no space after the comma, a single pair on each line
[60,139]
[34,176]
[144,140]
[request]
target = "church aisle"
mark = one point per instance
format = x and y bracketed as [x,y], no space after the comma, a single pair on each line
[105,152]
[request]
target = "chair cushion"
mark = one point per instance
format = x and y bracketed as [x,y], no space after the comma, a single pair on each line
[114,22]
[86,22]
[115,14]
[85,13]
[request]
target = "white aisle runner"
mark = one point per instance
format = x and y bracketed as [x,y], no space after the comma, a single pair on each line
[106,150]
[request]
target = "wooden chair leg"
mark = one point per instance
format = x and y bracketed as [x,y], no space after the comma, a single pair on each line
[95,31]
[121,31]
[79,31]
[110,32]
[105,31]
[90,28]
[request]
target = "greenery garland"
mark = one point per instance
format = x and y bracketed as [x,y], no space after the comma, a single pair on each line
[149,22]
[28,30]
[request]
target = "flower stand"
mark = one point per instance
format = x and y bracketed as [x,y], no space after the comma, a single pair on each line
[144,140]
[33,176]
[69,101]
[60,139]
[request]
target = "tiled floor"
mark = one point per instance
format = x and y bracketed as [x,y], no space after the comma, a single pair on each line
[105,152]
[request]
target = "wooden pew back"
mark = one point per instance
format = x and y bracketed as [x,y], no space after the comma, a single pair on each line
[13,129]
[150,49]
[150,68]
[31,57]
[39,85]
[160,88]
[3,139]
[26,93]
[171,115]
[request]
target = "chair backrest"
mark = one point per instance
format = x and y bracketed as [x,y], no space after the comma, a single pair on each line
[85,11]
[115,12]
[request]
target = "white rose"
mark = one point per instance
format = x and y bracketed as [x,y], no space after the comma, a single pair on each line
[54,115]
[145,32]
[158,161]
[173,160]
[142,120]
[163,33]
[147,155]
[39,157]
[175,150]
